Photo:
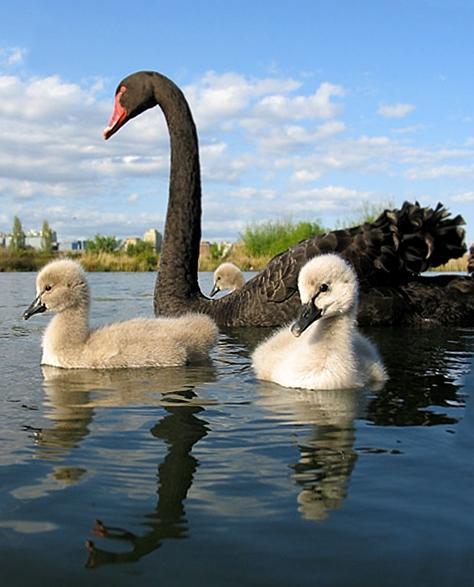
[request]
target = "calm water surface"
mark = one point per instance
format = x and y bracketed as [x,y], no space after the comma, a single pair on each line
[205,476]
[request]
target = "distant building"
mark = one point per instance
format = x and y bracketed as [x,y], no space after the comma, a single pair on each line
[75,245]
[154,237]
[204,249]
[151,236]
[33,240]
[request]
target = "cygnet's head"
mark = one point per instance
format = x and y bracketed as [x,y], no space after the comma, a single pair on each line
[328,287]
[60,285]
[227,277]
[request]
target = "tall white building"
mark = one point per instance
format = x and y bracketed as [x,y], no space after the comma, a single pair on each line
[154,237]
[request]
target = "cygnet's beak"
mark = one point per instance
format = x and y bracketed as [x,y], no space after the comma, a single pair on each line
[308,313]
[214,290]
[36,307]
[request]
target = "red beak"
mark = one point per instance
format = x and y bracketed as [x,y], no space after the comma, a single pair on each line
[118,119]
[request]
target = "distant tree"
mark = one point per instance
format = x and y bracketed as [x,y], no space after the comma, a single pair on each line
[140,248]
[144,253]
[17,242]
[105,244]
[216,251]
[46,238]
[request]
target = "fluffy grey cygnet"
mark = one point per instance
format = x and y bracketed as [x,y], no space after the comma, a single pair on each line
[323,348]
[68,341]
[227,277]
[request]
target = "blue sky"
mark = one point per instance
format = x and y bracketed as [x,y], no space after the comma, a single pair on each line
[305,109]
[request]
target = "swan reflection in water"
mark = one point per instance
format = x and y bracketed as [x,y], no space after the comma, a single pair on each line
[73,397]
[181,428]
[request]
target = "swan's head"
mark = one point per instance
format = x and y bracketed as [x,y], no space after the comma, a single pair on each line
[227,277]
[328,287]
[60,285]
[134,95]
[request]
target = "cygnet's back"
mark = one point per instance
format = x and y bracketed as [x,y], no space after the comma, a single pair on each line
[323,348]
[68,342]
[227,277]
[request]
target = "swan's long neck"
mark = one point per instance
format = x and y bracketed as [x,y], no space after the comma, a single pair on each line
[177,276]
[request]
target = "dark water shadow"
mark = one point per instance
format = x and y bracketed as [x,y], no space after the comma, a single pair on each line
[426,368]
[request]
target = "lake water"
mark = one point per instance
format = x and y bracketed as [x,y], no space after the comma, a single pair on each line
[205,476]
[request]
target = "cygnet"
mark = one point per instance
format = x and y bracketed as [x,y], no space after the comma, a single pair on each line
[323,348]
[68,341]
[227,277]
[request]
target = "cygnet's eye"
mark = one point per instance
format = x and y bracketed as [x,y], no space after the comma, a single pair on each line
[219,278]
[48,287]
[323,287]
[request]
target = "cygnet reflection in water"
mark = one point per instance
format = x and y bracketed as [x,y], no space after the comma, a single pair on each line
[92,388]
[325,439]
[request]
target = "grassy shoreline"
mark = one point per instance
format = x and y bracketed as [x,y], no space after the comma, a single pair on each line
[30,260]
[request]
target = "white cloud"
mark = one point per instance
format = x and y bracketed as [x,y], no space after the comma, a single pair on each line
[219,99]
[42,99]
[395,110]
[330,197]
[306,175]
[317,105]
[12,56]
[289,138]
[361,155]
[465,197]
[249,193]
[407,129]
[440,171]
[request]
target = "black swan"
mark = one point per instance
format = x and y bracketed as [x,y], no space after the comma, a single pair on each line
[388,254]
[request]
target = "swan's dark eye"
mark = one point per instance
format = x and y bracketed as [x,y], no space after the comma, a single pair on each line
[323,287]
[48,288]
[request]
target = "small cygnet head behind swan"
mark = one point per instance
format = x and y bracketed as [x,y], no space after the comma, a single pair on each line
[328,287]
[60,285]
[227,277]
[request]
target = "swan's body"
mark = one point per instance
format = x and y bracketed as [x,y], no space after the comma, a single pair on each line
[323,349]
[68,342]
[387,254]
[227,277]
